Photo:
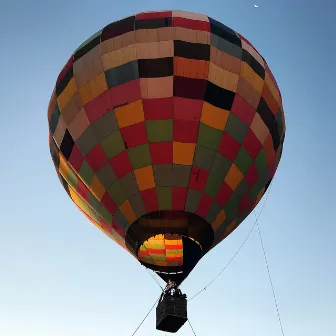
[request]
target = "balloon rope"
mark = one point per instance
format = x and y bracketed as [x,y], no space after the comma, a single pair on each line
[145,317]
[152,275]
[269,276]
[155,279]
[191,327]
[239,249]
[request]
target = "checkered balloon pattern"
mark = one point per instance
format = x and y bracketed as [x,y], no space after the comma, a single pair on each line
[166,111]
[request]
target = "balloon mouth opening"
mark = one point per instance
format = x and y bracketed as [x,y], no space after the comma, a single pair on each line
[170,242]
[166,251]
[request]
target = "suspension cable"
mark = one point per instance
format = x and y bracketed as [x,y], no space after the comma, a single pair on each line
[269,276]
[191,327]
[239,249]
[146,316]
[154,278]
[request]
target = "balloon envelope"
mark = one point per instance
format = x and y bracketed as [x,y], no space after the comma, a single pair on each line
[166,129]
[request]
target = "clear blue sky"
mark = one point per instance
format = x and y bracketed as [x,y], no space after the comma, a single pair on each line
[61,276]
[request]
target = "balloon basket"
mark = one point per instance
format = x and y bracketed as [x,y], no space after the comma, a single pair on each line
[171,313]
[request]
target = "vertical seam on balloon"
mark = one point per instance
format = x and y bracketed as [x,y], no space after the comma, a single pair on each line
[254,159]
[130,224]
[109,97]
[140,225]
[199,121]
[241,145]
[102,67]
[173,107]
[106,161]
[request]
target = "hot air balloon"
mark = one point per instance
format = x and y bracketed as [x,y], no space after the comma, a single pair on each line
[166,129]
